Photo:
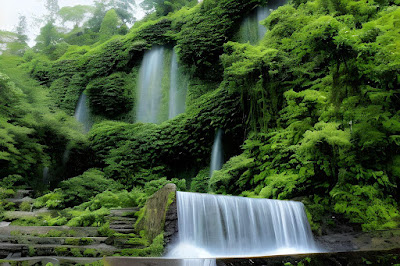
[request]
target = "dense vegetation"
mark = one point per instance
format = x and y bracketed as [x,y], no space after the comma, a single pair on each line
[311,112]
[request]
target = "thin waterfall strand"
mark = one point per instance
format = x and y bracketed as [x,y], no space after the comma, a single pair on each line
[82,113]
[251,30]
[178,88]
[217,153]
[150,91]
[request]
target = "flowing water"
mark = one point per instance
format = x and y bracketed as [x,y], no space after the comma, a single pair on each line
[150,86]
[82,113]
[45,175]
[217,153]
[212,226]
[251,29]
[178,88]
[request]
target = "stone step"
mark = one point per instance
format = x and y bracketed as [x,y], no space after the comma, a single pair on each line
[52,240]
[14,215]
[6,250]
[122,219]
[41,230]
[55,260]
[21,193]
[124,212]
[18,201]
[121,226]
[123,222]
[124,231]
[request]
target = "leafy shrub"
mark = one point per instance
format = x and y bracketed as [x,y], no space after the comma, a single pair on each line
[108,199]
[105,230]
[25,206]
[6,193]
[366,205]
[81,188]
[88,218]
[12,182]
[200,182]
[52,200]
[111,96]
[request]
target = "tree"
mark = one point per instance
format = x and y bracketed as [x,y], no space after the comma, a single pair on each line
[124,9]
[110,24]
[162,7]
[52,8]
[48,36]
[94,23]
[75,14]
[21,29]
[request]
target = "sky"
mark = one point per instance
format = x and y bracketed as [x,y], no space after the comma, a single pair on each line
[10,10]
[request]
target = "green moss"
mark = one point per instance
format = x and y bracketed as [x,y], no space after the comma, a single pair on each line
[61,251]
[137,242]
[105,230]
[78,241]
[76,252]
[90,252]
[140,215]
[31,251]
[155,249]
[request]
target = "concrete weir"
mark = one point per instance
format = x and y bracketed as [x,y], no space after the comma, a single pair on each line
[373,257]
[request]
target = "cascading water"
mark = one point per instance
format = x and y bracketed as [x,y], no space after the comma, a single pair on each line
[251,29]
[82,113]
[178,88]
[45,175]
[217,154]
[150,91]
[227,226]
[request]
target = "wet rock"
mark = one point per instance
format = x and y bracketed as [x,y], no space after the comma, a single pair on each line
[156,212]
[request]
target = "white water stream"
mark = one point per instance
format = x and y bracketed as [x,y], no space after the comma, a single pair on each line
[150,91]
[212,226]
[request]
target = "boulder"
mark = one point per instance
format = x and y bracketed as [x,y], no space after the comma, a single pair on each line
[159,214]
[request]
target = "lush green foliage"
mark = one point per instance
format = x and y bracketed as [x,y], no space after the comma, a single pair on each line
[164,7]
[32,134]
[112,95]
[77,190]
[174,147]
[323,91]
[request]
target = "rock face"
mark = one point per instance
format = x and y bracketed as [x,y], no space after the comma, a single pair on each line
[171,223]
[159,214]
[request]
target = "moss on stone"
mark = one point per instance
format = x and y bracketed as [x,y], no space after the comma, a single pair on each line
[152,216]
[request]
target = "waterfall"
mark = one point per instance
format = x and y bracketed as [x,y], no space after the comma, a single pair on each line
[251,30]
[45,175]
[178,88]
[213,226]
[150,77]
[217,154]
[82,113]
